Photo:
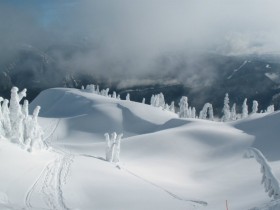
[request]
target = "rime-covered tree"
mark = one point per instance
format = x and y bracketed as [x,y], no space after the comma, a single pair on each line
[116,157]
[127,97]
[226,109]
[90,88]
[112,150]
[255,107]
[193,115]
[152,101]
[207,108]
[161,101]
[270,109]
[269,180]
[16,115]
[16,124]
[166,107]
[6,118]
[244,109]
[108,151]
[233,115]
[184,107]
[172,107]
[114,94]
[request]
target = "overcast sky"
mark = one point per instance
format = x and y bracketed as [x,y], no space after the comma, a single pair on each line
[135,32]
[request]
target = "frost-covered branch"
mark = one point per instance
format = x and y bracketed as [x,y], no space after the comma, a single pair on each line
[270,182]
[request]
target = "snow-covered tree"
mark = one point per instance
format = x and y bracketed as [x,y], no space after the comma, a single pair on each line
[112,151]
[270,109]
[127,97]
[226,109]
[16,115]
[158,100]
[255,107]
[16,124]
[117,150]
[207,108]
[114,94]
[105,92]
[90,88]
[161,101]
[97,91]
[166,107]
[25,110]
[269,180]
[152,101]
[244,109]
[172,107]
[233,115]
[143,101]
[184,107]
[193,115]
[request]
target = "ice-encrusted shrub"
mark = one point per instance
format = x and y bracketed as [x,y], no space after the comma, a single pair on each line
[113,147]
[270,182]
[17,126]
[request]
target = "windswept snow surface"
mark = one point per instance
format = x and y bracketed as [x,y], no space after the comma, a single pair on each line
[167,163]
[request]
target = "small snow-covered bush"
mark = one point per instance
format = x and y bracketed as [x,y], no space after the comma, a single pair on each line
[17,126]
[270,182]
[113,147]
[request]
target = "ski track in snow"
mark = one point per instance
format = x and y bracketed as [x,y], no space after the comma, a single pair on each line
[203,203]
[50,181]
[52,129]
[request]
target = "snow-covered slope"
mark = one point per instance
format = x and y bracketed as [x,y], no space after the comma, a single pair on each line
[166,163]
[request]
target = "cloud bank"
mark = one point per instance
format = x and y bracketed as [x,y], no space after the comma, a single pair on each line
[124,38]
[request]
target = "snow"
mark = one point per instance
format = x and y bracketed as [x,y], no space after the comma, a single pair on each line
[165,163]
[272,76]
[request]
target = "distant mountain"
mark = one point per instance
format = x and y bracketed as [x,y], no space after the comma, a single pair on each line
[203,78]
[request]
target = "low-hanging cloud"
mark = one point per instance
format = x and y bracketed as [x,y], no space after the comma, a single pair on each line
[124,38]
